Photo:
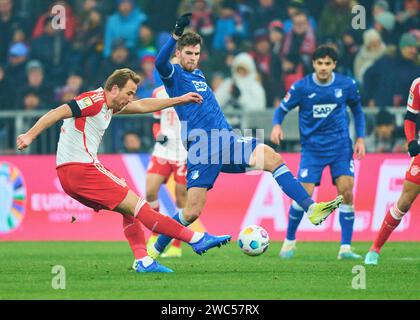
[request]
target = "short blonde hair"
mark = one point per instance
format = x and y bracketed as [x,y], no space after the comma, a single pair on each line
[120,77]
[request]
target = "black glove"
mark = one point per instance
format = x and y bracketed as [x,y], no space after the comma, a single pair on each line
[181,23]
[235,91]
[162,139]
[413,148]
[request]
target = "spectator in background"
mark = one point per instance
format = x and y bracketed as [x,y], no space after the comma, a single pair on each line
[53,50]
[7,100]
[228,24]
[131,142]
[378,7]
[15,68]
[373,48]
[267,11]
[243,90]
[150,77]
[147,41]
[294,7]
[385,136]
[264,61]
[35,85]
[72,88]
[276,40]
[299,44]
[120,58]
[349,49]
[202,20]
[9,22]
[88,43]
[388,80]
[385,23]
[123,24]
[409,18]
[335,18]
[70,28]
[162,13]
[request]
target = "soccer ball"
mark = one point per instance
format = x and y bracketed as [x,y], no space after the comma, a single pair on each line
[253,240]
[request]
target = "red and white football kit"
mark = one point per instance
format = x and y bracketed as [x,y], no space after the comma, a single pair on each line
[81,174]
[171,157]
[413,106]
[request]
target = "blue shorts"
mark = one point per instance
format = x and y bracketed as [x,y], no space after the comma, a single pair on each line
[312,164]
[232,156]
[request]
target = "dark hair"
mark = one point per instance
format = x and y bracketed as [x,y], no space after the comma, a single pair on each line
[120,78]
[325,51]
[189,39]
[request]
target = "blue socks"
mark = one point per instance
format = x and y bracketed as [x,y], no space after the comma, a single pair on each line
[163,241]
[346,223]
[290,186]
[295,217]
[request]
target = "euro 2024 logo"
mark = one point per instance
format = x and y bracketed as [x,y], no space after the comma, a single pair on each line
[12,197]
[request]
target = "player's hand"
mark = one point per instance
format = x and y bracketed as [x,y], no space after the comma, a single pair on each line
[181,23]
[191,97]
[162,139]
[276,134]
[23,141]
[413,148]
[359,149]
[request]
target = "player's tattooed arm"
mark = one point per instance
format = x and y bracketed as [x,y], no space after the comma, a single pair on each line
[46,121]
[154,104]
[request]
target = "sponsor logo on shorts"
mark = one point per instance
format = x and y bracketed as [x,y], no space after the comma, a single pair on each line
[304,173]
[195,174]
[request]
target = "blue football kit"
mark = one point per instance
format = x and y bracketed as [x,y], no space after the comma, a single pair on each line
[324,124]
[211,144]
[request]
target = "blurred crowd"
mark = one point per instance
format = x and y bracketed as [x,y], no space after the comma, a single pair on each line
[254,49]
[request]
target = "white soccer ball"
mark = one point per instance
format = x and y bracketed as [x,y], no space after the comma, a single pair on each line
[253,240]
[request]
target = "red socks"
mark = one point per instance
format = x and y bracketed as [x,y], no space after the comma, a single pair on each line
[155,206]
[162,224]
[135,236]
[391,221]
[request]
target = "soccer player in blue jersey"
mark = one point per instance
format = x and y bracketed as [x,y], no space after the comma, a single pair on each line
[210,153]
[323,98]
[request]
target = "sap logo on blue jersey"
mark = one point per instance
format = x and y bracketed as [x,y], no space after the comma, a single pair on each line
[323,110]
[200,85]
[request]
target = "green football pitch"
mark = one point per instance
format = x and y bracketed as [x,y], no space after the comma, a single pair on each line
[101,270]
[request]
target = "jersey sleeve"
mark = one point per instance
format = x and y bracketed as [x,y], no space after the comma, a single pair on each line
[291,99]
[87,105]
[413,103]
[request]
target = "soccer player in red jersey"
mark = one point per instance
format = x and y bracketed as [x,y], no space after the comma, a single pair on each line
[85,179]
[169,157]
[411,187]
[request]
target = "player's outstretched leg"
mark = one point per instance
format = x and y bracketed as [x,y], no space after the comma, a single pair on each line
[273,162]
[318,212]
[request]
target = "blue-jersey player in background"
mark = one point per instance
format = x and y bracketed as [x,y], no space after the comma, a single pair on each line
[209,155]
[323,98]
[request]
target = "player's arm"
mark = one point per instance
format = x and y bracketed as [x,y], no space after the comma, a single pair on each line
[165,68]
[150,105]
[46,121]
[413,107]
[290,101]
[355,104]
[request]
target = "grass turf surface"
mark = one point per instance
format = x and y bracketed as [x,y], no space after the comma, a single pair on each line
[101,270]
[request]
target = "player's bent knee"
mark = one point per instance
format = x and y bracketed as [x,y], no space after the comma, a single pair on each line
[347,196]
